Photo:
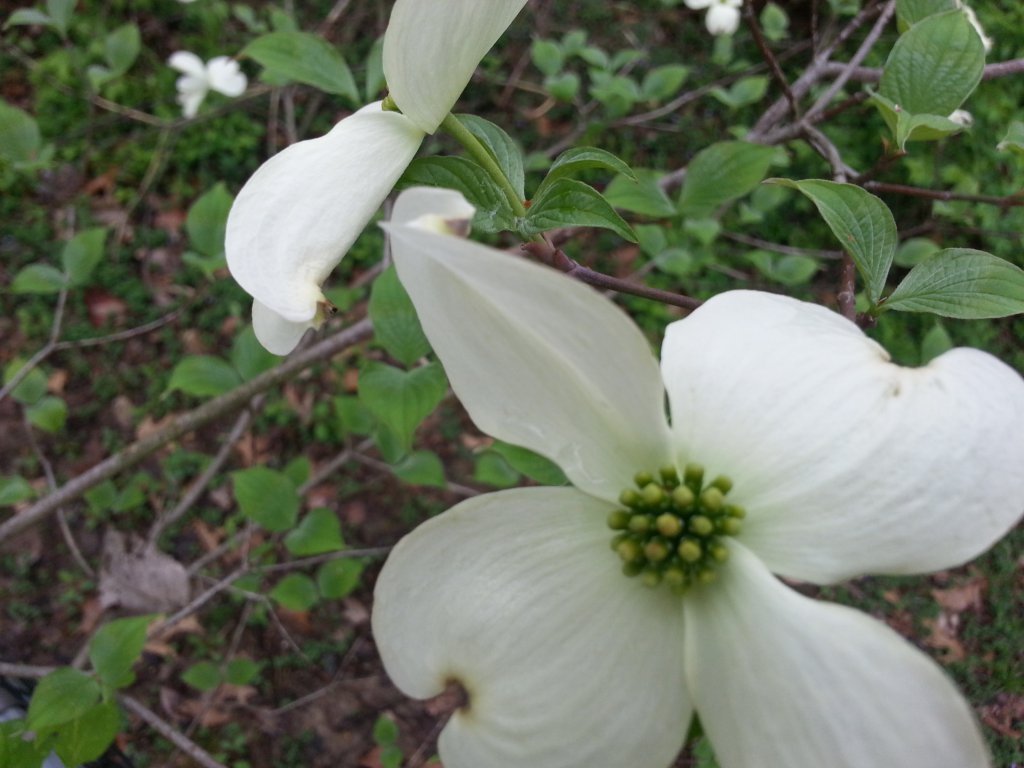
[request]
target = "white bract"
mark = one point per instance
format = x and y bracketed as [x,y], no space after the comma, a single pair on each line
[220,74]
[845,463]
[723,16]
[972,17]
[301,211]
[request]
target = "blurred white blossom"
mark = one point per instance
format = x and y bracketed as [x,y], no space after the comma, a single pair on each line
[220,74]
[962,118]
[723,16]
[973,18]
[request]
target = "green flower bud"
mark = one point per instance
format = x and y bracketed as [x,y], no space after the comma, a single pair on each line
[669,475]
[722,483]
[632,569]
[689,551]
[652,494]
[734,510]
[629,498]
[730,526]
[650,577]
[674,576]
[629,550]
[700,525]
[656,550]
[642,479]
[668,525]
[706,575]
[712,499]
[641,523]
[682,497]
[719,553]
[619,520]
[694,475]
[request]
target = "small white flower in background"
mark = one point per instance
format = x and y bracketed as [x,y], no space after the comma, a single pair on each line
[819,460]
[301,211]
[962,118]
[723,16]
[220,74]
[973,18]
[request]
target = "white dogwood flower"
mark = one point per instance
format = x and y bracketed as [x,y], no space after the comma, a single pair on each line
[723,16]
[220,74]
[301,211]
[795,447]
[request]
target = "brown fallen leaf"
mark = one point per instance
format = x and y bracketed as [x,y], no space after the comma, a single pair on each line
[942,637]
[140,579]
[1002,714]
[964,597]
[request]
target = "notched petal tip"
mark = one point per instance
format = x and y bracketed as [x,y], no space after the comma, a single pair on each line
[277,334]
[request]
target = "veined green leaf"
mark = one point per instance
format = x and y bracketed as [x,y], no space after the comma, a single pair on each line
[861,222]
[720,173]
[502,147]
[493,211]
[571,203]
[962,283]
[395,323]
[266,497]
[306,58]
[402,399]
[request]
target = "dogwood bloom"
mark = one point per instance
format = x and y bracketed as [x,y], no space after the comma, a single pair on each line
[220,74]
[301,211]
[723,17]
[972,17]
[795,447]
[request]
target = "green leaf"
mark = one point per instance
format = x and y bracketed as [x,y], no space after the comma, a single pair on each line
[563,87]
[60,697]
[421,468]
[28,16]
[743,92]
[14,488]
[203,376]
[662,83]
[861,222]
[547,56]
[207,220]
[31,388]
[774,22]
[935,342]
[338,578]
[241,671]
[298,470]
[204,676]
[909,12]
[20,141]
[492,469]
[15,750]
[82,253]
[395,323]
[721,173]
[576,159]
[913,251]
[38,278]
[115,648]
[375,70]
[296,592]
[60,12]
[934,66]
[571,203]
[121,48]
[266,497]
[49,413]
[249,357]
[493,211]
[86,738]
[962,283]
[502,148]
[353,418]
[640,194]
[385,732]
[531,464]
[319,532]
[306,58]
[402,399]
[1014,139]
[923,128]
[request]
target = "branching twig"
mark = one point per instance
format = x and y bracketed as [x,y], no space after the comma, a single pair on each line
[1010,201]
[769,57]
[158,724]
[184,424]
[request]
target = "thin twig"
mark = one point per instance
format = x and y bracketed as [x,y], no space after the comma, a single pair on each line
[130,333]
[1010,201]
[165,729]
[992,71]
[198,487]
[789,250]
[186,423]
[51,343]
[769,57]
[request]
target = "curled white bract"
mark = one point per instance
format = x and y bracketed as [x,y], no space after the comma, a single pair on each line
[723,16]
[846,464]
[220,74]
[301,211]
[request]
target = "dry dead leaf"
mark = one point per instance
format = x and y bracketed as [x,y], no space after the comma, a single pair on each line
[1003,714]
[965,597]
[140,579]
[943,637]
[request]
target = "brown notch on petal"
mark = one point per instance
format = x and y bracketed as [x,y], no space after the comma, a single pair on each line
[454,698]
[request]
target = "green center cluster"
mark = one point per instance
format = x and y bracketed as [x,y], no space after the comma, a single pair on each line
[670,530]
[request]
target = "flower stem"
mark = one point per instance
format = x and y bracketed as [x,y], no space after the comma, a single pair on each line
[465,137]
